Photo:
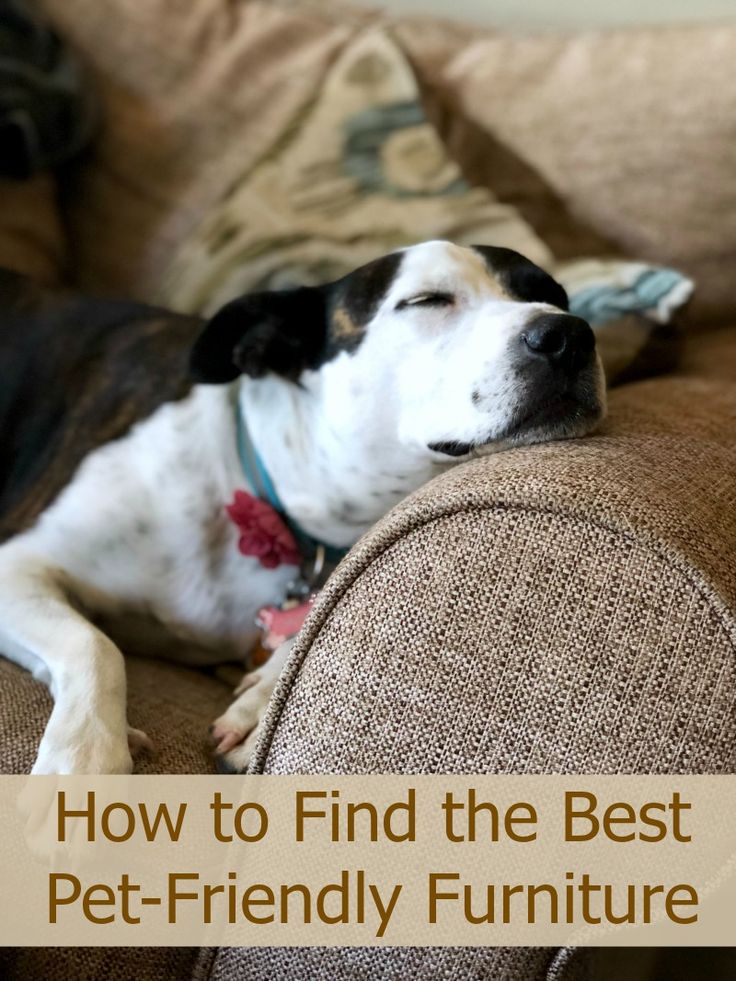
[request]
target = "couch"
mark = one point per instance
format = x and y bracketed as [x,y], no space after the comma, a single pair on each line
[561,608]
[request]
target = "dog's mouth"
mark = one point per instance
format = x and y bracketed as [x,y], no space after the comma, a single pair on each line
[453,448]
[563,416]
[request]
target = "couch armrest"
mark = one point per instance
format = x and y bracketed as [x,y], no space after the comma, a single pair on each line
[561,608]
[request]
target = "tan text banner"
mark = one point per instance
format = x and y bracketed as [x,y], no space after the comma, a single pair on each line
[362,860]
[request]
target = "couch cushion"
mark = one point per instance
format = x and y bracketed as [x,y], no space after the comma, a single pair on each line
[634,129]
[565,608]
[191,94]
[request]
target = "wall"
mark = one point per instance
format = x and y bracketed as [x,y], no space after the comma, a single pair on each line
[550,14]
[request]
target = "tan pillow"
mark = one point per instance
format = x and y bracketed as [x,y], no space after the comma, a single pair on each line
[634,129]
[357,173]
[192,93]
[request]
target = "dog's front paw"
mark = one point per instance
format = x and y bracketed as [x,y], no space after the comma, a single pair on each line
[96,750]
[236,732]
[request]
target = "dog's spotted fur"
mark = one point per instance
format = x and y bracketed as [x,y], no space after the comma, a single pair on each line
[116,469]
[75,373]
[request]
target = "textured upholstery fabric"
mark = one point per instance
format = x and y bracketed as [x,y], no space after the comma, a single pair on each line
[634,129]
[388,964]
[575,669]
[582,601]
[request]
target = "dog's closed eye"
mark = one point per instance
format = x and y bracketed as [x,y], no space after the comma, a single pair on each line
[432,299]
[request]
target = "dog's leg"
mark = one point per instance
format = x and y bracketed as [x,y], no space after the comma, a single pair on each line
[236,732]
[87,731]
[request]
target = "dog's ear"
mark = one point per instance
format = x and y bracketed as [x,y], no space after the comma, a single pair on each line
[284,332]
[521,278]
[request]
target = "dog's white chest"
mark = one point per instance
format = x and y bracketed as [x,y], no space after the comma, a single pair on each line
[142,528]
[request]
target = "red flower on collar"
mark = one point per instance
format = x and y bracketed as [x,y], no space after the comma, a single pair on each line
[263,533]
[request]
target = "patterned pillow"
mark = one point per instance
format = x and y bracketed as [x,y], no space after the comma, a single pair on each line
[361,172]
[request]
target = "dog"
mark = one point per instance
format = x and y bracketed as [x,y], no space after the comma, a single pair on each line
[121,451]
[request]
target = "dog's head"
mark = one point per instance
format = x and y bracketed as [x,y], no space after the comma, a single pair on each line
[455,350]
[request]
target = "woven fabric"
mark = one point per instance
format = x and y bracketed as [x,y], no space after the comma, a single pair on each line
[392,964]
[568,608]
[532,660]
[582,599]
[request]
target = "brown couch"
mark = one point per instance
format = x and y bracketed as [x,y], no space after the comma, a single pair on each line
[562,608]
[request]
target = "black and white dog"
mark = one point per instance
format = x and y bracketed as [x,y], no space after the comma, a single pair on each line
[117,467]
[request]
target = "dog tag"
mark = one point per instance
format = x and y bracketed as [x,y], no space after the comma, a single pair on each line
[277,625]
[280,623]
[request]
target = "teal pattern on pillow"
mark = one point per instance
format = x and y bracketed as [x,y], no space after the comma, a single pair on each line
[604,290]
[370,137]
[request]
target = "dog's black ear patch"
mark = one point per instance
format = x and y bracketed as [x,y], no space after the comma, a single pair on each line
[521,278]
[363,290]
[284,332]
[354,299]
[289,331]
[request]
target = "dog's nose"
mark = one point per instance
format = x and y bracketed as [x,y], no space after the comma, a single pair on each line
[559,337]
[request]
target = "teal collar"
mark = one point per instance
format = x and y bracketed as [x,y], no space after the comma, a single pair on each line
[260,480]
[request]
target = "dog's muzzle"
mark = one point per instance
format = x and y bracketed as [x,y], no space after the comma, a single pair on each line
[559,390]
[561,379]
